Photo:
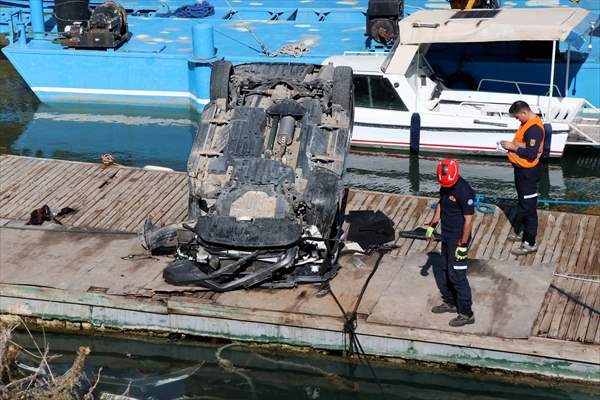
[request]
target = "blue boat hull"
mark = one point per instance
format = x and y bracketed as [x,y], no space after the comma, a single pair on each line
[157,68]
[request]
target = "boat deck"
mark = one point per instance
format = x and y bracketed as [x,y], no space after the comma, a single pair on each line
[240,32]
[586,132]
[79,271]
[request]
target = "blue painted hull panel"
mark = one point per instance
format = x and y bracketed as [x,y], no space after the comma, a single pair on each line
[155,67]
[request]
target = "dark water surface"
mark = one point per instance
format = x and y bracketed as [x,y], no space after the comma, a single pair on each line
[162,369]
[163,137]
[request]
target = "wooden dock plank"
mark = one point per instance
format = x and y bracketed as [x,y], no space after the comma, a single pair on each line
[562,305]
[574,249]
[546,247]
[571,308]
[176,196]
[168,209]
[34,179]
[594,324]
[177,206]
[486,233]
[76,195]
[581,318]
[119,198]
[150,191]
[102,203]
[592,266]
[11,169]
[125,198]
[48,190]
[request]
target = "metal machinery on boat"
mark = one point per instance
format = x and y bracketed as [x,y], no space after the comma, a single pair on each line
[105,29]
[401,103]
[265,178]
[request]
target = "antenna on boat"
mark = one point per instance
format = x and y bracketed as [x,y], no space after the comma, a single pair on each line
[551,89]
[262,45]
[417,88]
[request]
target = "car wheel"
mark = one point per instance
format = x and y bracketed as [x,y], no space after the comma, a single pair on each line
[193,208]
[333,251]
[219,80]
[342,88]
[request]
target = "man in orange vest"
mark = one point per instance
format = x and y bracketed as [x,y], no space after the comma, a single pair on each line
[524,153]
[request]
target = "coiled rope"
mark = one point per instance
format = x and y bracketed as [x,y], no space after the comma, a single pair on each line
[198,10]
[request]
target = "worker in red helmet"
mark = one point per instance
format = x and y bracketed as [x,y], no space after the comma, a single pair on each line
[455,211]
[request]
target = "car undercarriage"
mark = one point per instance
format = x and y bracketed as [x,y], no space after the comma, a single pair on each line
[266,199]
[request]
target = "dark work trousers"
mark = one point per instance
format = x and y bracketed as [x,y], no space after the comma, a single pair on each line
[527,181]
[451,279]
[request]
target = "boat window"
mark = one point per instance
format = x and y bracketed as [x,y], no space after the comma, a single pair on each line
[372,91]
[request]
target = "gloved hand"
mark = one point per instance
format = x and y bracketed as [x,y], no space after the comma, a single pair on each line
[431,230]
[461,253]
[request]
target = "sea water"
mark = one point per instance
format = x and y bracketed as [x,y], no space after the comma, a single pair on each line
[186,369]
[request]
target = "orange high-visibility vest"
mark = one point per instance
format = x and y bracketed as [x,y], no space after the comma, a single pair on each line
[520,139]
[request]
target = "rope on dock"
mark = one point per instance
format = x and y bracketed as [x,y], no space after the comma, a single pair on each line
[350,319]
[482,205]
[580,277]
[293,49]
[107,159]
[197,10]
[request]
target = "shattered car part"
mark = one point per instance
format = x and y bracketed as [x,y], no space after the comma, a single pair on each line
[265,177]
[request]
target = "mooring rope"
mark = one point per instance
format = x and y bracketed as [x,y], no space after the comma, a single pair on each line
[486,208]
[229,367]
[262,45]
[579,277]
[351,320]
[575,299]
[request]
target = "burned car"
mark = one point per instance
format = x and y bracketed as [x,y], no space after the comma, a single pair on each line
[265,177]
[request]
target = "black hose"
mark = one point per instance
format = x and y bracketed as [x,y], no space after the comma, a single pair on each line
[575,299]
[350,320]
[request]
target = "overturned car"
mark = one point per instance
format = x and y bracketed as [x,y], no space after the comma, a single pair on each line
[265,178]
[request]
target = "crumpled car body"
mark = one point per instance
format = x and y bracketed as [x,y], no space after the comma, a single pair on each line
[265,177]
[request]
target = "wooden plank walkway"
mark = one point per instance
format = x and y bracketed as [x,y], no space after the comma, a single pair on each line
[119,198]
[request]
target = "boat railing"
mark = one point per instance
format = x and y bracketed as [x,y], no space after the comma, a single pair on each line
[518,84]
[589,108]
[366,53]
[15,20]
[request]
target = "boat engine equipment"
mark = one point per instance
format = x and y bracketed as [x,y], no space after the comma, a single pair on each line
[382,20]
[68,12]
[106,29]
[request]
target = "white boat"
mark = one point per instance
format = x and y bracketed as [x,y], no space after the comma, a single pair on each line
[399,93]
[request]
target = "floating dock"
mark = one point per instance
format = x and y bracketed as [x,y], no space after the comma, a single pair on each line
[91,273]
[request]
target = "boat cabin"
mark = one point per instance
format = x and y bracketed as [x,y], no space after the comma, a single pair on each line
[391,89]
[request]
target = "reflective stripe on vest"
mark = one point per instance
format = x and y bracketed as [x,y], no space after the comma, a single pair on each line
[520,139]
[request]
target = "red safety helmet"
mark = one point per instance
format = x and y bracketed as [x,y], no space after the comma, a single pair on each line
[447,172]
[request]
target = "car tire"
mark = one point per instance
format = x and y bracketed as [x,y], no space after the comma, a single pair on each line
[342,88]
[333,252]
[219,80]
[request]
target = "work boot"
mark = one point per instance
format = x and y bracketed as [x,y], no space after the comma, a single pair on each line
[515,237]
[443,308]
[524,249]
[462,319]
